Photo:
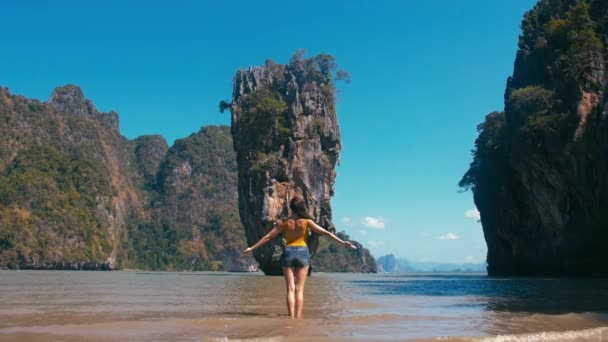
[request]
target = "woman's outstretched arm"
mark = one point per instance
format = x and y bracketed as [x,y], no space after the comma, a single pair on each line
[322,231]
[278,228]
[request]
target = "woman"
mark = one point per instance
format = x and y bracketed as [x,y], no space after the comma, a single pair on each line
[296,257]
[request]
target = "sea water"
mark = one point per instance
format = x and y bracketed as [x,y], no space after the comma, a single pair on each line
[75,306]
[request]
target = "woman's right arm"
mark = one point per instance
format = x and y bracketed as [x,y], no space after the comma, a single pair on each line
[322,231]
[278,228]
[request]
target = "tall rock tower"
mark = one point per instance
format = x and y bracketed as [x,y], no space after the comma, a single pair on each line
[287,140]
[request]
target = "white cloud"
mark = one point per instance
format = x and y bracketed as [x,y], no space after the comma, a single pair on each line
[448,236]
[470,258]
[375,243]
[347,221]
[363,232]
[473,214]
[373,222]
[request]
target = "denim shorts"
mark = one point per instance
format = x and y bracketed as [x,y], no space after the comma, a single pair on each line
[296,256]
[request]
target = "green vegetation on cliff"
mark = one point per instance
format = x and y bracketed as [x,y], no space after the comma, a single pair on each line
[197,182]
[193,222]
[489,151]
[287,142]
[49,208]
[538,169]
[265,110]
[75,194]
[262,110]
[560,47]
[331,257]
[51,214]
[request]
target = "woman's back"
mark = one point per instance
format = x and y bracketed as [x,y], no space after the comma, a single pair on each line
[295,260]
[295,232]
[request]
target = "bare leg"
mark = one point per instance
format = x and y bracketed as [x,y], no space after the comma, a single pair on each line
[301,274]
[290,286]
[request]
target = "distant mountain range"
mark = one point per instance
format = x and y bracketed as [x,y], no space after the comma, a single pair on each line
[390,264]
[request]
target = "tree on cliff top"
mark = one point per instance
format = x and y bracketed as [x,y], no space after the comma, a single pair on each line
[321,68]
[489,147]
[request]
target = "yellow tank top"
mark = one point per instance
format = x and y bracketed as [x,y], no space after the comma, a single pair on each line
[293,239]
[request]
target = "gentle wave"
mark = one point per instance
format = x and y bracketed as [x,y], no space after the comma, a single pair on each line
[594,334]
[255,339]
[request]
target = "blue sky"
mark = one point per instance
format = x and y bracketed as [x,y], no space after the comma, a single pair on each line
[424,74]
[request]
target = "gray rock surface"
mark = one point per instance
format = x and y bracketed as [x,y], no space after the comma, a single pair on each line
[540,177]
[287,139]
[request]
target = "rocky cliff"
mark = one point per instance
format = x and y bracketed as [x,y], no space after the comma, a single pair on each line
[198,199]
[332,257]
[287,142]
[539,174]
[76,194]
[67,183]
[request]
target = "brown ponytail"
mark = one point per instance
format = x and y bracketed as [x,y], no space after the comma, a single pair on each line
[298,206]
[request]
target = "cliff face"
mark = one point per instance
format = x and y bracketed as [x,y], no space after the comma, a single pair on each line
[287,143]
[539,171]
[197,183]
[331,257]
[150,150]
[67,183]
[76,194]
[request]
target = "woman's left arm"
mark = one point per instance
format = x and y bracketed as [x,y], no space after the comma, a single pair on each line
[278,228]
[322,231]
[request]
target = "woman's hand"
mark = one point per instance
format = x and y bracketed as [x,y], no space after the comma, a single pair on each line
[349,244]
[247,251]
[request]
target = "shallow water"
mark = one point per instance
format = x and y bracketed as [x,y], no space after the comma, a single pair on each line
[71,306]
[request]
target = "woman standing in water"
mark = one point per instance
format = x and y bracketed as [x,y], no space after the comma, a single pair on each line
[295,260]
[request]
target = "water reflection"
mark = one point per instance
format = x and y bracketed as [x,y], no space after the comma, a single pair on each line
[533,295]
[482,305]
